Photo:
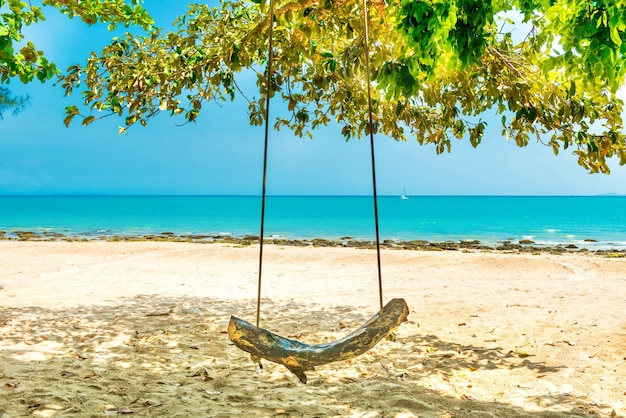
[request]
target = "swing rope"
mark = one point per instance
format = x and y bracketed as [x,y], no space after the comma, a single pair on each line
[371,129]
[269,70]
[268,84]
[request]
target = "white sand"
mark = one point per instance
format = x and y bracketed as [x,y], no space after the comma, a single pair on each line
[96,328]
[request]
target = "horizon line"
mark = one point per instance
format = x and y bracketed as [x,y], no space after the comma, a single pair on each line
[610,194]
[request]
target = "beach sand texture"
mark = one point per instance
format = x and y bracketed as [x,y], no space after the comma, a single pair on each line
[96,328]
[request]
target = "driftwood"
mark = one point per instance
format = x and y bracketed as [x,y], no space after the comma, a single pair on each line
[299,357]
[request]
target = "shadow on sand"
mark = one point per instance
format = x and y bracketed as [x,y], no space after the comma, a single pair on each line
[157,356]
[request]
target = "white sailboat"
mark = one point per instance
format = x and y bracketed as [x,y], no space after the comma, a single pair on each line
[404,196]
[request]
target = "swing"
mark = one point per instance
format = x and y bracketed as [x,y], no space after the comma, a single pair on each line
[296,356]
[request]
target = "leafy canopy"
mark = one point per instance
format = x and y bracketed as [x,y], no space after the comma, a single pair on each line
[19,58]
[550,68]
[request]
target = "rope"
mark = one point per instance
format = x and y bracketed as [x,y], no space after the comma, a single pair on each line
[270,58]
[371,128]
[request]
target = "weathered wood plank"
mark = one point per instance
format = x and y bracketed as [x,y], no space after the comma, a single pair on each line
[299,357]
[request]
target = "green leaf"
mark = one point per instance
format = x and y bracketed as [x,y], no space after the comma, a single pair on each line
[70,112]
[615,36]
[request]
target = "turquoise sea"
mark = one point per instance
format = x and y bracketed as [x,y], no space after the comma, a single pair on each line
[489,219]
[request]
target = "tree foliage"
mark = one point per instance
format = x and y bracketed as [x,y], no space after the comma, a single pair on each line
[10,102]
[19,57]
[438,66]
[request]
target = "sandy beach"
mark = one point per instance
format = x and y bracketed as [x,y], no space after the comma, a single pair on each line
[99,328]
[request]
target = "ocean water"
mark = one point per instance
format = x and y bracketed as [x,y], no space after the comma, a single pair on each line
[489,219]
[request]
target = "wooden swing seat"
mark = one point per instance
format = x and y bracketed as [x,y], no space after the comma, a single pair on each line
[299,357]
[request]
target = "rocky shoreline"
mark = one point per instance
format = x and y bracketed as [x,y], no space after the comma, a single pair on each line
[509,246]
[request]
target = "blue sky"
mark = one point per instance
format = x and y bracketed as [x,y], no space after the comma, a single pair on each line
[222,154]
